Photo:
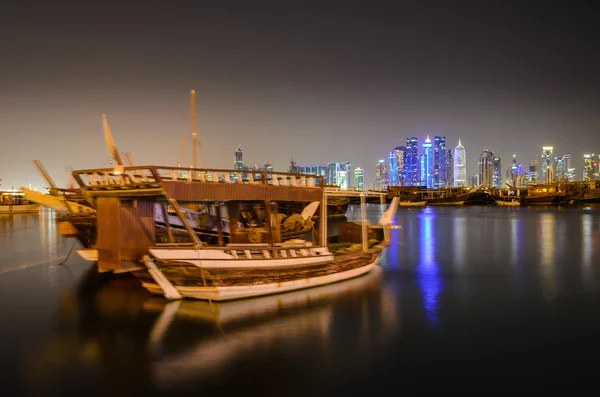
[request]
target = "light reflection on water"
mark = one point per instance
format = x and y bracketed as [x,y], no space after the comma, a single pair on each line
[547,249]
[473,275]
[428,273]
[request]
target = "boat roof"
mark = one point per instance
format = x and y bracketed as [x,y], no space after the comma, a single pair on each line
[200,184]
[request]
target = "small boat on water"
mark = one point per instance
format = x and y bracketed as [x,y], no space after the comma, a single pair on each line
[545,199]
[509,203]
[127,235]
[16,202]
[412,203]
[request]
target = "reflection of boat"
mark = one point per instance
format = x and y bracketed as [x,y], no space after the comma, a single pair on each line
[256,322]
[237,269]
[127,340]
[16,202]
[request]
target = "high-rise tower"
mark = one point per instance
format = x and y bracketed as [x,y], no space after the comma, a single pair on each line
[427,164]
[401,170]
[496,172]
[545,163]
[238,159]
[439,161]
[412,161]
[486,168]
[460,165]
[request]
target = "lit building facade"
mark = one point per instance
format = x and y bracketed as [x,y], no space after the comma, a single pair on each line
[474,180]
[320,170]
[460,165]
[559,169]
[532,175]
[496,172]
[344,181]
[393,169]
[238,159]
[427,164]
[546,168]
[486,168]
[439,162]
[590,167]
[400,154]
[333,169]
[569,171]
[449,168]
[359,179]
[412,162]
[381,173]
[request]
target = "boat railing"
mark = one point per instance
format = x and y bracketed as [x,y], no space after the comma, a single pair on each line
[144,176]
[262,251]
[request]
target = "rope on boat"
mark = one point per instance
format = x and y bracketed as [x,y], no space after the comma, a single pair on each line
[69,254]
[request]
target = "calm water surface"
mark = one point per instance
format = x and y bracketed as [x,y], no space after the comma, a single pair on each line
[479,298]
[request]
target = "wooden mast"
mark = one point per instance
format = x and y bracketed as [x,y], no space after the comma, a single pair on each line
[193,115]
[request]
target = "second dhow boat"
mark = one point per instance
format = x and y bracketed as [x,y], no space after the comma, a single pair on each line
[193,269]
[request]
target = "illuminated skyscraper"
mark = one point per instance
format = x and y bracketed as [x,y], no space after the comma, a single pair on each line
[546,163]
[343,175]
[486,168]
[427,164]
[393,169]
[449,167]
[359,179]
[381,174]
[400,154]
[559,169]
[333,169]
[320,170]
[569,172]
[590,167]
[532,175]
[460,165]
[238,159]
[496,172]
[412,162]
[439,162]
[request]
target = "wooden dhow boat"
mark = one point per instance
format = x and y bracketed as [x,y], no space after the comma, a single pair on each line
[16,202]
[127,236]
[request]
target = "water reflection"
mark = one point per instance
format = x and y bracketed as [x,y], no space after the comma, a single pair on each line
[547,248]
[179,343]
[428,272]
[516,239]
[459,240]
[586,241]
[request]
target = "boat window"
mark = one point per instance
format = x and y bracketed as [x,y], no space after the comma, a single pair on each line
[128,203]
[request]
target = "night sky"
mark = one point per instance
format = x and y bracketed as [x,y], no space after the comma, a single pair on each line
[314,81]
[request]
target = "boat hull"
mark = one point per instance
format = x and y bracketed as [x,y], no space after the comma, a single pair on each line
[544,200]
[228,283]
[20,208]
[508,203]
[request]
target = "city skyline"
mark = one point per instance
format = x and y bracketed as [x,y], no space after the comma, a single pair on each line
[351,87]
